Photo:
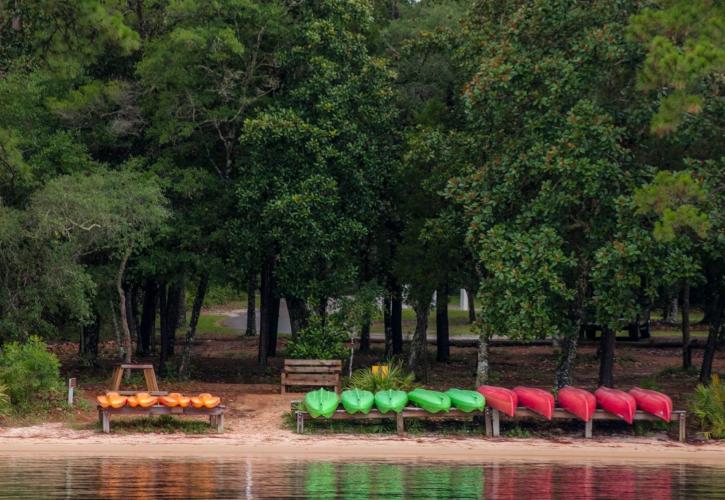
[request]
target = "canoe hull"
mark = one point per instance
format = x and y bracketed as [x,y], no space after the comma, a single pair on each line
[430,401]
[653,402]
[321,403]
[466,401]
[537,400]
[616,402]
[391,400]
[577,401]
[357,401]
[500,398]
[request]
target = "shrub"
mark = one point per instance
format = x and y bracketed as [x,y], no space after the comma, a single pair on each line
[320,340]
[708,406]
[397,378]
[4,401]
[29,371]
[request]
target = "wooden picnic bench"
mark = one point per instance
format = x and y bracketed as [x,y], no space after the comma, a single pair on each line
[148,373]
[409,412]
[312,373]
[216,415]
[493,417]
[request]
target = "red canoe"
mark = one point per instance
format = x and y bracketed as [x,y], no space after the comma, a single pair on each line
[581,403]
[617,402]
[538,400]
[500,398]
[653,402]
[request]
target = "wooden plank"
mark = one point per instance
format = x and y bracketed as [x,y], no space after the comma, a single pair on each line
[299,379]
[312,369]
[116,378]
[312,362]
[164,410]
[152,393]
[136,367]
[150,377]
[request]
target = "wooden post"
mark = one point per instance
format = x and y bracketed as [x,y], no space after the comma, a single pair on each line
[588,429]
[106,420]
[487,420]
[683,427]
[116,379]
[399,424]
[496,422]
[220,423]
[71,388]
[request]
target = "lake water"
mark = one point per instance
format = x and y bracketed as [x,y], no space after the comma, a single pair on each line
[111,478]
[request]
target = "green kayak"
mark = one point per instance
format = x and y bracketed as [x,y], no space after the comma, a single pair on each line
[431,401]
[321,403]
[466,401]
[391,400]
[357,401]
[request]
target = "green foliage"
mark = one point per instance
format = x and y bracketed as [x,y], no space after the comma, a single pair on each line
[29,371]
[685,56]
[323,338]
[397,378]
[4,400]
[708,405]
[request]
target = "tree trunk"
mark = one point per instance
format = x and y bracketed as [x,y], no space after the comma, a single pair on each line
[88,346]
[717,319]
[191,332]
[686,347]
[606,357]
[396,320]
[471,306]
[442,334]
[181,310]
[127,344]
[251,306]
[298,316]
[274,324]
[418,360]
[265,317]
[163,330]
[365,335]
[672,312]
[482,365]
[568,355]
[388,326]
[148,317]
[173,301]
[131,312]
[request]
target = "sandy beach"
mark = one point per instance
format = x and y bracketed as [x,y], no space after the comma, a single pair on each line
[254,428]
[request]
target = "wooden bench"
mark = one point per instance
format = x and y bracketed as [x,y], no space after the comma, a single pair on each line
[312,372]
[409,412]
[216,415]
[493,419]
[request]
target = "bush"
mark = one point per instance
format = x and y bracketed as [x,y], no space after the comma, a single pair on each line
[29,371]
[708,406]
[320,340]
[4,401]
[397,378]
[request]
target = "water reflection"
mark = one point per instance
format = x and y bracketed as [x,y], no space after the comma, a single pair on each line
[116,478]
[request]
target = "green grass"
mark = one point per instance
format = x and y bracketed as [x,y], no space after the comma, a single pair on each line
[212,324]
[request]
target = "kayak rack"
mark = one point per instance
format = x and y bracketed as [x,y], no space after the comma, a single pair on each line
[409,412]
[493,419]
[216,415]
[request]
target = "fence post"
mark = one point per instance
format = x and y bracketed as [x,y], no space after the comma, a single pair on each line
[71,389]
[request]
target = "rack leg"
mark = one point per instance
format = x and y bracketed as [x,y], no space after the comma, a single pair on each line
[683,427]
[487,420]
[496,417]
[588,429]
[106,419]
[399,424]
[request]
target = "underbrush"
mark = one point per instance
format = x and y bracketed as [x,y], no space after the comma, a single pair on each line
[708,405]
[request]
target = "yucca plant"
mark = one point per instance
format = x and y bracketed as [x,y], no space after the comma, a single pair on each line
[708,405]
[396,378]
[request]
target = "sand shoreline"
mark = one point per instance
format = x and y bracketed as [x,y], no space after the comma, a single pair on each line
[286,445]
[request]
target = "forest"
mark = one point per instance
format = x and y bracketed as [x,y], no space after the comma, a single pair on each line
[561,160]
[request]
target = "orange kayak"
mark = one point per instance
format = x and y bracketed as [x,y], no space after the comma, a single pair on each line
[212,402]
[168,401]
[111,400]
[147,401]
